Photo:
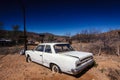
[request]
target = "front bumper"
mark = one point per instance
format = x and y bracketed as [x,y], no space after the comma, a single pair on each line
[81,67]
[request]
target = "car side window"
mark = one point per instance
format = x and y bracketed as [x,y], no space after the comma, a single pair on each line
[40,48]
[48,49]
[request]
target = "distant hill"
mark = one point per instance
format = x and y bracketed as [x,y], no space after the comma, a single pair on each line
[30,35]
[35,36]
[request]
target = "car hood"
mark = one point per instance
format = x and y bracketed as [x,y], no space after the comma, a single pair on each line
[78,54]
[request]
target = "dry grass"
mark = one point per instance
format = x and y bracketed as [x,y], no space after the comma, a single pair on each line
[13,66]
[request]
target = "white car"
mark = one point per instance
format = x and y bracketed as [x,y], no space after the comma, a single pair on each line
[60,57]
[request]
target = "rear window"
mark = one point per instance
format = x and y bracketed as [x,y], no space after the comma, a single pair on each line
[63,48]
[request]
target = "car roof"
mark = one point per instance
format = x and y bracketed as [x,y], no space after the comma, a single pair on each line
[51,43]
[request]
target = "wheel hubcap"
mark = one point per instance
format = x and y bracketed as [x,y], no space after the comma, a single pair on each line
[55,69]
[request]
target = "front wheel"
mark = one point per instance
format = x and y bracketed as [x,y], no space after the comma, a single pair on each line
[55,69]
[28,59]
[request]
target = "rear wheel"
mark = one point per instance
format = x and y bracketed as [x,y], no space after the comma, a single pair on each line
[28,59]
[55,68]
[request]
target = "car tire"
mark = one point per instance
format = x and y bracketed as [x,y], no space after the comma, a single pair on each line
[28,59]
[55,69]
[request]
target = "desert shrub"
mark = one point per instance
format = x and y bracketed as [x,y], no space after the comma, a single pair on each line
[10,50]
[114,74]
[94,47]
[95,64]
[108,42]
[98,48]
[3,50]
[102,70]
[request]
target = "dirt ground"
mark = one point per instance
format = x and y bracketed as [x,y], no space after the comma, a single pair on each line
[15,67]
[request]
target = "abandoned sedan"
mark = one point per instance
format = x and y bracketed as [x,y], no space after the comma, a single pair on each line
[60,57]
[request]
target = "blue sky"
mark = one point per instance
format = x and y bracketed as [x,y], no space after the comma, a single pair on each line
[61,16]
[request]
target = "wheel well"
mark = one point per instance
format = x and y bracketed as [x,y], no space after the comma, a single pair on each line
[51,64]
[27,55]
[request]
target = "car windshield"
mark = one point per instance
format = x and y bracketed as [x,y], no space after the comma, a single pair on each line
[63,48]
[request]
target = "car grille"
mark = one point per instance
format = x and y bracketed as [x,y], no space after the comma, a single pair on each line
[85,60]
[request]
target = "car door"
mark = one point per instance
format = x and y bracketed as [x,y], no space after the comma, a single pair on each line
[47,55]
[38,54]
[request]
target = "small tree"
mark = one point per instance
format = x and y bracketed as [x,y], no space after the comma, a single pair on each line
[16,28]
[68,38]
[78,37]
[88,35]
[50,38]
[42,36]
[15,35]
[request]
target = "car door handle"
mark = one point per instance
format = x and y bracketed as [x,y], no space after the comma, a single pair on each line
[40,55]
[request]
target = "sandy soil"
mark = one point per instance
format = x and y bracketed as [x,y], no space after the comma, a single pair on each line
[15,67]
